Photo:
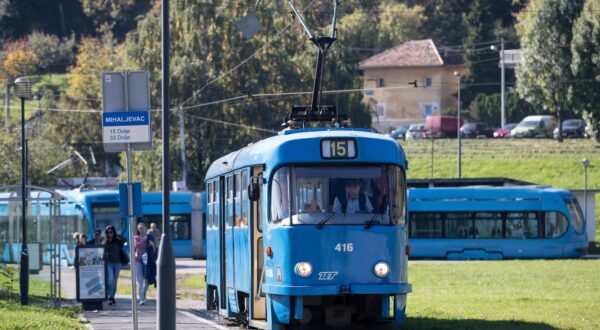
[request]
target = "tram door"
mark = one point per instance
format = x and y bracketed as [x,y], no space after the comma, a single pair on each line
[229,292]
[258,301]
[222,218]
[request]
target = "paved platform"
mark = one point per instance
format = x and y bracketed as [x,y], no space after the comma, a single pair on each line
[119,317]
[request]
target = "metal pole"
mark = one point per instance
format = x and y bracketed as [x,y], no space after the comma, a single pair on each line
[585,188]
[7,103]
[165,314]
[458,131]
[130,217]
[502,95]
[24,271]
[182,144]
[432,156]
[132,229]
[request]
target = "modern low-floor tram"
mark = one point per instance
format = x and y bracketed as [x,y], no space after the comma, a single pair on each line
[495,223]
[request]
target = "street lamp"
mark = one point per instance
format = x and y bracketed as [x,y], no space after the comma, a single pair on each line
[586,163]
[23,91]
[458,75]
[502,106]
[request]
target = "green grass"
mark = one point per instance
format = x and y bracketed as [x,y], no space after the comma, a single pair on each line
[544,162]
[524,294]
[37,315]
[187,286]
[57,83]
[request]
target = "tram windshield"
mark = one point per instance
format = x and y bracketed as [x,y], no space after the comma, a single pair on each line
[338,195]
[576,215]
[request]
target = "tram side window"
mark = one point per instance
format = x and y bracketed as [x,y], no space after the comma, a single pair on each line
[425,225]
[556,224]
[237,200]
[244,198]
[459,225]
[397,195]
[229,201]
[487,225]
[521,225]
[280,202]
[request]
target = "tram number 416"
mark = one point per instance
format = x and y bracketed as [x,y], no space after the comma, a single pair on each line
[344,247]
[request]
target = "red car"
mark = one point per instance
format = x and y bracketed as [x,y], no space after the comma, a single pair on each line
[504,132]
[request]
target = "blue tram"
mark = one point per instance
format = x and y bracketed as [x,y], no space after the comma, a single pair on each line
[186,223]
[307,229]
[495,223]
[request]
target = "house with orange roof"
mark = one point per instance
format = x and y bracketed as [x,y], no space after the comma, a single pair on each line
[409,82]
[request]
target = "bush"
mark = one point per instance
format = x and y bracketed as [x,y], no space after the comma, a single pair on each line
[51,53]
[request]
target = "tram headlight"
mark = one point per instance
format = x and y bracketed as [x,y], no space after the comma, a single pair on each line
[303,269]
[381,269]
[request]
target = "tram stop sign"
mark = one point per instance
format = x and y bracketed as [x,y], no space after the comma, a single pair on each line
[126,111]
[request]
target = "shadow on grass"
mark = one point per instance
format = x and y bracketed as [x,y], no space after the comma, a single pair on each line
[594,248]
[431,323]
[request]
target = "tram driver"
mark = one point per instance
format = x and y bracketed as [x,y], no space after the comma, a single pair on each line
[353,201]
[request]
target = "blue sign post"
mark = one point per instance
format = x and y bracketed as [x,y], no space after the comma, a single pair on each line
[136,191]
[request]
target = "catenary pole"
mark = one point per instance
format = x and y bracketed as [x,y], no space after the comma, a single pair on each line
[24,261]
[165,316]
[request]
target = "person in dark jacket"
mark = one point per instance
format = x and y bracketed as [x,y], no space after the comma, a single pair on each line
[97,239]
[150,264]
[113,245]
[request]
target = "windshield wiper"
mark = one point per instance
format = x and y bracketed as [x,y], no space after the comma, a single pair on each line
[327,218]
[371,222]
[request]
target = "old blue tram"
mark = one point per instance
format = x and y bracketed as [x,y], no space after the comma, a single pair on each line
[308,229]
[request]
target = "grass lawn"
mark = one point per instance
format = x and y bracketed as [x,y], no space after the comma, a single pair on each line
[56,82]
[189,287]
[37,315]
[543,161]
[520,294]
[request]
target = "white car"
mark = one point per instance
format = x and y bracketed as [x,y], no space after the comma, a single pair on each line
[415,132]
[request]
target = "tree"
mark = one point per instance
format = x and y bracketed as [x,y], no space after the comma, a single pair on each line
[82,129]
[545,76]
[485,108]
[586,65]
[444,23]
[116,16]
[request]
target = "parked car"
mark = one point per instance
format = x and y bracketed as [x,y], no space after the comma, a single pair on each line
[415,132]
[535,127]
[442,126]
[399,132]
[476,130]
[504,132]
[572,128]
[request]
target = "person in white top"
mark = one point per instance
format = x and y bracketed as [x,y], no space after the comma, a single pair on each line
[354,201]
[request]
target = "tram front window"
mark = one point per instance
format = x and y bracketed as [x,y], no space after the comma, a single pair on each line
[105,215]
[338,195]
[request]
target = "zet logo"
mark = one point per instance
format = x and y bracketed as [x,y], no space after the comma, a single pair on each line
[326,276]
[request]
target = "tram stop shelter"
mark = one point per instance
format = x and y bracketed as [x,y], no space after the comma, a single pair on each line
[46,240]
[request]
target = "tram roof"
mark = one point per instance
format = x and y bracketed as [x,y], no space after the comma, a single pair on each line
[485,193]
[303,146]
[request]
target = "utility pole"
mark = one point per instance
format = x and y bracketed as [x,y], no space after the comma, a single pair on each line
[459,151]
[502,82]
[165,314]
[7,102]
[182,145]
